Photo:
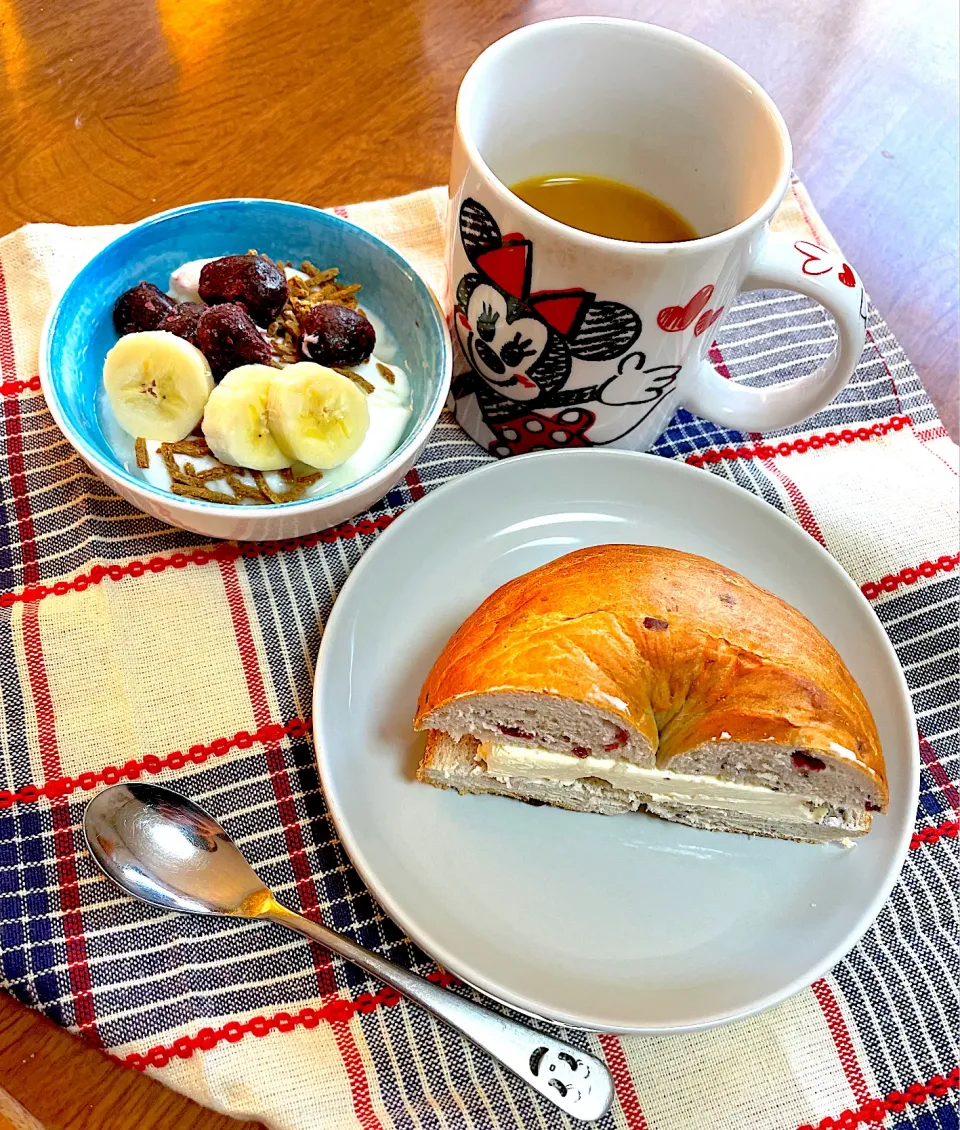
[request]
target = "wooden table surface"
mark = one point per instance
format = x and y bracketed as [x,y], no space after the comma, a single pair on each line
[109,112]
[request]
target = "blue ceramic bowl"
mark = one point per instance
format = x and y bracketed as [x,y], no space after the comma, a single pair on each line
[79,332]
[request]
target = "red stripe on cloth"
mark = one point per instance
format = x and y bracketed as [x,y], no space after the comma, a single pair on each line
[923,435]
[803,212]
[799,446]
[225,551]
[340,211]
[910,575]
[841,1040]
[8,360]
[415,485]
[875,1110]
[296,849]
[800,505]
[939,774]
[889,372]
[18,479]
[78,970]
[63,845]
[949,829]
[296,728]
[927,434]
[335,1012]
[293,837]
[718,362]
[623,1082]
[357,1076]
[13,388]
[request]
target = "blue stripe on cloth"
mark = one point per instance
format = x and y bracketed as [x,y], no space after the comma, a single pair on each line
[944,1116]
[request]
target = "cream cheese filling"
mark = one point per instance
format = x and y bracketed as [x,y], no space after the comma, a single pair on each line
[535,763]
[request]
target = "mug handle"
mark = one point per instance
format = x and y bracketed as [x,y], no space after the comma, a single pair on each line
[787,263]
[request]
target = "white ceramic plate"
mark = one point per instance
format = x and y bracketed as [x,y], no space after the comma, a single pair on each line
[624,923]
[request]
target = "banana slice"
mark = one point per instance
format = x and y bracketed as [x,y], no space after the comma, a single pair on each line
[235,420]
[317,416]
[157,385]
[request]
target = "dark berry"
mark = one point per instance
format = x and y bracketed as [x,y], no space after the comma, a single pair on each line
[331,334]
[143,307]
[806,763]
[228,337]
[515,732]
[184,321]
[619,741]
[251,280]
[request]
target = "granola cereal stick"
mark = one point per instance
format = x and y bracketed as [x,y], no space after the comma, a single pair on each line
[267,489]
[360,382]
[386,372]
[204,494]
[244,491]
[143,456]
[171,464]
[192,445]
[310,479]
[314,273]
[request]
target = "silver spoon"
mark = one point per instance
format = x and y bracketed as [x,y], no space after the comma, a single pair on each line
[162,848]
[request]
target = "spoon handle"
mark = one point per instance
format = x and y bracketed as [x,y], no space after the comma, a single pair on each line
[578,1083]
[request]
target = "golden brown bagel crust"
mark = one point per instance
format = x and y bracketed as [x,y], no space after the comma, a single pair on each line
[684,649]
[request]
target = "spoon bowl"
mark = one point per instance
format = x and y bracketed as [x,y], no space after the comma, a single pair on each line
[168,852]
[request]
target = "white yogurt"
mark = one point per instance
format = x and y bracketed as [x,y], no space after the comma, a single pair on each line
[389,404]
[184,283]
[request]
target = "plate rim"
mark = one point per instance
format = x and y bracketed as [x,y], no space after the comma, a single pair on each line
[449,960]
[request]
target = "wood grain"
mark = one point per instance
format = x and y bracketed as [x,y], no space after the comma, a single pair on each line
[65,1085]
[109,112]
[13,1116]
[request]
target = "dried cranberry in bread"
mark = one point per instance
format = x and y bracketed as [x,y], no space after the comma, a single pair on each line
[665,661]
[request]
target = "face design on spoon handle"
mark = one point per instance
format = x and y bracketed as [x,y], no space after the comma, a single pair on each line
[567,1074]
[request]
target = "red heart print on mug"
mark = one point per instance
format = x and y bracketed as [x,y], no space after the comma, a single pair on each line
[673,319]
[817,259]
[846,276]
[706,320]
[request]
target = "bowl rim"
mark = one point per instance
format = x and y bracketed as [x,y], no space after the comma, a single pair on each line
[116,471]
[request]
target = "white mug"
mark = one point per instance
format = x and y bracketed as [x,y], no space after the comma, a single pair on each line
[576,339]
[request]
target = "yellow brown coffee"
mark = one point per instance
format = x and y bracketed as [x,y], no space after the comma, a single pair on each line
[604,207]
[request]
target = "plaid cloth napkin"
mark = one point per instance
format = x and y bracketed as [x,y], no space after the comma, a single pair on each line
[133,650]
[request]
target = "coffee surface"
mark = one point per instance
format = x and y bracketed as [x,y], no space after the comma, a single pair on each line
[604,207]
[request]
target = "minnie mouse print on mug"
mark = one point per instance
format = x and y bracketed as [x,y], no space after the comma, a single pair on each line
[576,338]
